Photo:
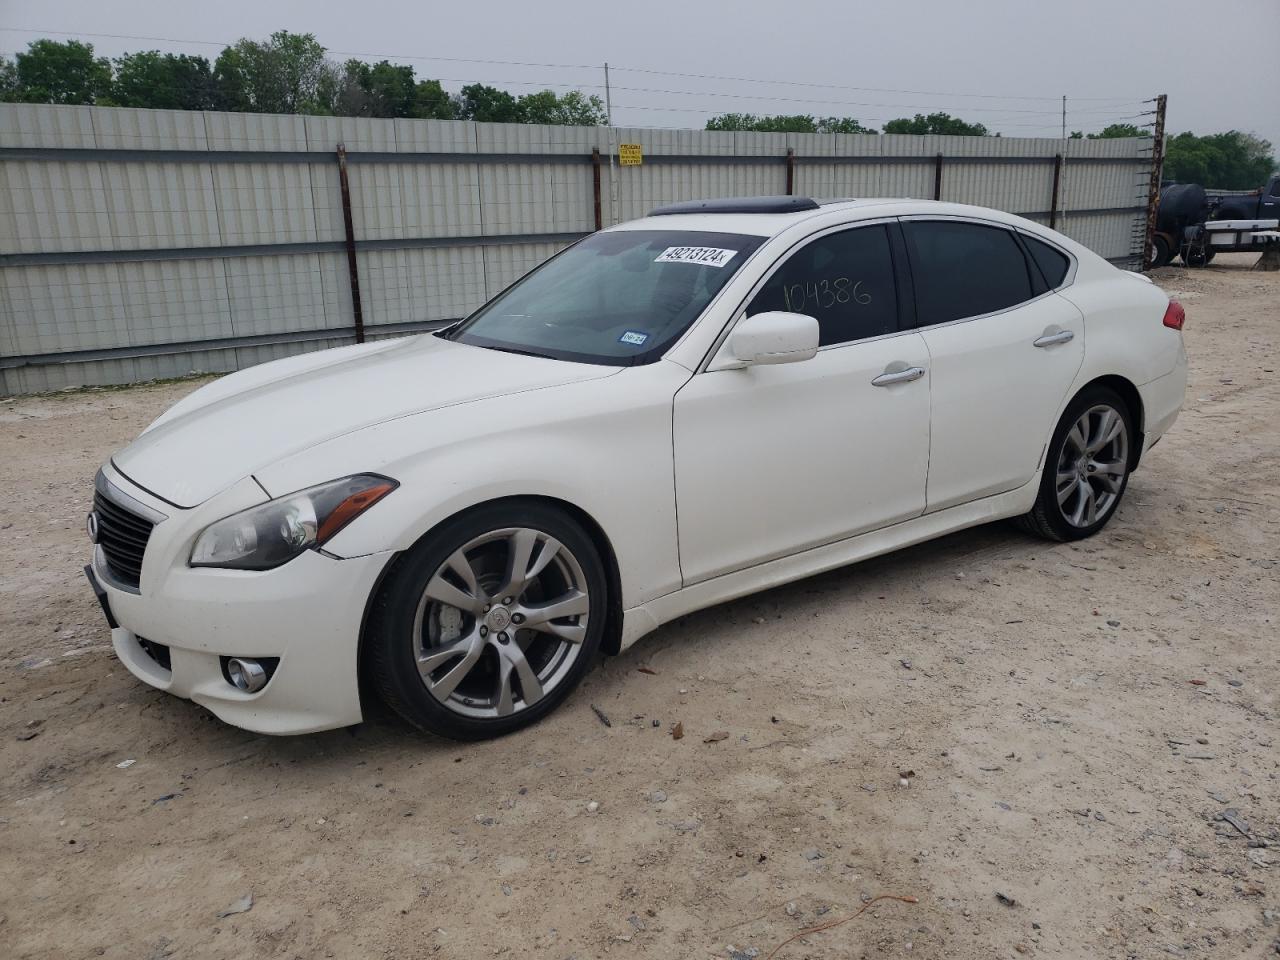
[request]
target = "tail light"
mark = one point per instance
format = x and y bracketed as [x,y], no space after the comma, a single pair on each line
[1174,315]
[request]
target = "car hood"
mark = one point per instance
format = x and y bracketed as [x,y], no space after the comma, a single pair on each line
[239,424]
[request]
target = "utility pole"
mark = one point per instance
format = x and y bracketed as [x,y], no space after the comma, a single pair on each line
[1153,189]
[613,148]
[1061,182]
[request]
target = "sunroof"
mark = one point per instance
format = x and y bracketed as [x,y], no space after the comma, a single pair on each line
[738,205]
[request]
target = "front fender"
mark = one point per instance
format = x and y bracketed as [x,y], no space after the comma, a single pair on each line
[602,445]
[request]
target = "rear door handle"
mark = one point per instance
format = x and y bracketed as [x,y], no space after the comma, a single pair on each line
[1049,339]
[898,376]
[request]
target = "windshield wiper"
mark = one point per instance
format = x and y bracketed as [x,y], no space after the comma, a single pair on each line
[523,353]
[446,332]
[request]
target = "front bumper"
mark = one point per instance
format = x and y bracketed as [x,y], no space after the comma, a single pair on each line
[308,613]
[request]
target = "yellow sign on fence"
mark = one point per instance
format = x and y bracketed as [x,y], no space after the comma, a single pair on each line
[629,155]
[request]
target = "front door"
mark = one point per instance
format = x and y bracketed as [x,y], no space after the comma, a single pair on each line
[773,460]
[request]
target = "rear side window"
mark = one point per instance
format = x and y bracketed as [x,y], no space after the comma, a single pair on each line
[1053,263]
[964,269]
[845,280]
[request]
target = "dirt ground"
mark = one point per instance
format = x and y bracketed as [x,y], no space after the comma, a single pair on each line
[1077,720]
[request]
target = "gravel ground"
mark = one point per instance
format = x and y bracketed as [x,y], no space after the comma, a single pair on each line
[1088,733]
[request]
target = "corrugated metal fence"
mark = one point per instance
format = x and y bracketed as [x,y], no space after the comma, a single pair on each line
[139,244]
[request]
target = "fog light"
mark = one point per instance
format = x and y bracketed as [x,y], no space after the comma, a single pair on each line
[245,674]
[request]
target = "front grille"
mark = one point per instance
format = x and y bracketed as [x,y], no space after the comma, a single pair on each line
[123,537]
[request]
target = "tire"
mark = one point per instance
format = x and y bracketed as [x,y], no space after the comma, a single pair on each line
[1161,253]
[1061,510]
[493,669]
[1195,256]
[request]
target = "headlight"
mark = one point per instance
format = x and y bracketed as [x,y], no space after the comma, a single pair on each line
[273,533]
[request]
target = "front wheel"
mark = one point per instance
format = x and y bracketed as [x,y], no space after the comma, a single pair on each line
[489,622]
[1086,468]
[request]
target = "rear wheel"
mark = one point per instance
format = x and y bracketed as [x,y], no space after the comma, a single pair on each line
[490,622]
[1161,253]
[1086,468]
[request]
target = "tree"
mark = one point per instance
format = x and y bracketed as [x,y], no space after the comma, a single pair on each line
[782,123]
[287,74]
[936,123]
[1119,130]
[842,125]
[1228,161]
[572,109]
[488,104]
[163,81]
[432,102]
[341,90]
[55,72]
[391,89]
[8,79]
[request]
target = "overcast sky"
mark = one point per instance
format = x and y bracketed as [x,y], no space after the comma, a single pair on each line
[1005,63]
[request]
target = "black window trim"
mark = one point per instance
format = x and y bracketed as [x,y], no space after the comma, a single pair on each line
[905,320]
[1026,256]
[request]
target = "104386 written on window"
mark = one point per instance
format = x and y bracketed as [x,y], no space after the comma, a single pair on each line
[823,294]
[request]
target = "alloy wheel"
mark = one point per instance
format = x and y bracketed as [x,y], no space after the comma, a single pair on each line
[501,622]
[1092,465]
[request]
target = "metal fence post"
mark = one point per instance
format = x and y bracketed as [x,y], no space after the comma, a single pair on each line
[595,185]
[1057,180]
[937,178]
[791,171]
[353,268]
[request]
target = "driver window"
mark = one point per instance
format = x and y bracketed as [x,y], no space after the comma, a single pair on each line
[844,280]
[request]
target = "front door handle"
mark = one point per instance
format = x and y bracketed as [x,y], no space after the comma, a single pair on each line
[1049,339]
[898,376]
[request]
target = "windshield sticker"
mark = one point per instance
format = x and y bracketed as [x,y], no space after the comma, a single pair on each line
[706,256]
[634,337]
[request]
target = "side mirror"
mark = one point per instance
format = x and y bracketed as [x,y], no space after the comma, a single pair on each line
[774,337]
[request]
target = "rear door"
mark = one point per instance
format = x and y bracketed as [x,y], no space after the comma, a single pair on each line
[1003,352]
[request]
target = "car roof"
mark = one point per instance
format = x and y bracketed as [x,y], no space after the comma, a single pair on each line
[771,224]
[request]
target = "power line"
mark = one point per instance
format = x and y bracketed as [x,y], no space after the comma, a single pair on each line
[845,103]
[586,66]
[1047,124]
[834,86]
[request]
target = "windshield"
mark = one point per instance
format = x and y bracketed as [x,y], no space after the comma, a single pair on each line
[618,298]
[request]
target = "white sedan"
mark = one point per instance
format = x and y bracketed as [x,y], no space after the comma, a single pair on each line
[716,399]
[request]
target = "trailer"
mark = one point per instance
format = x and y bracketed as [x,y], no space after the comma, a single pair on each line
[1201,241]
[1196,225]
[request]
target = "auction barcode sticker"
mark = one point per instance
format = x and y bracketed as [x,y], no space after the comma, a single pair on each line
[707,256]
